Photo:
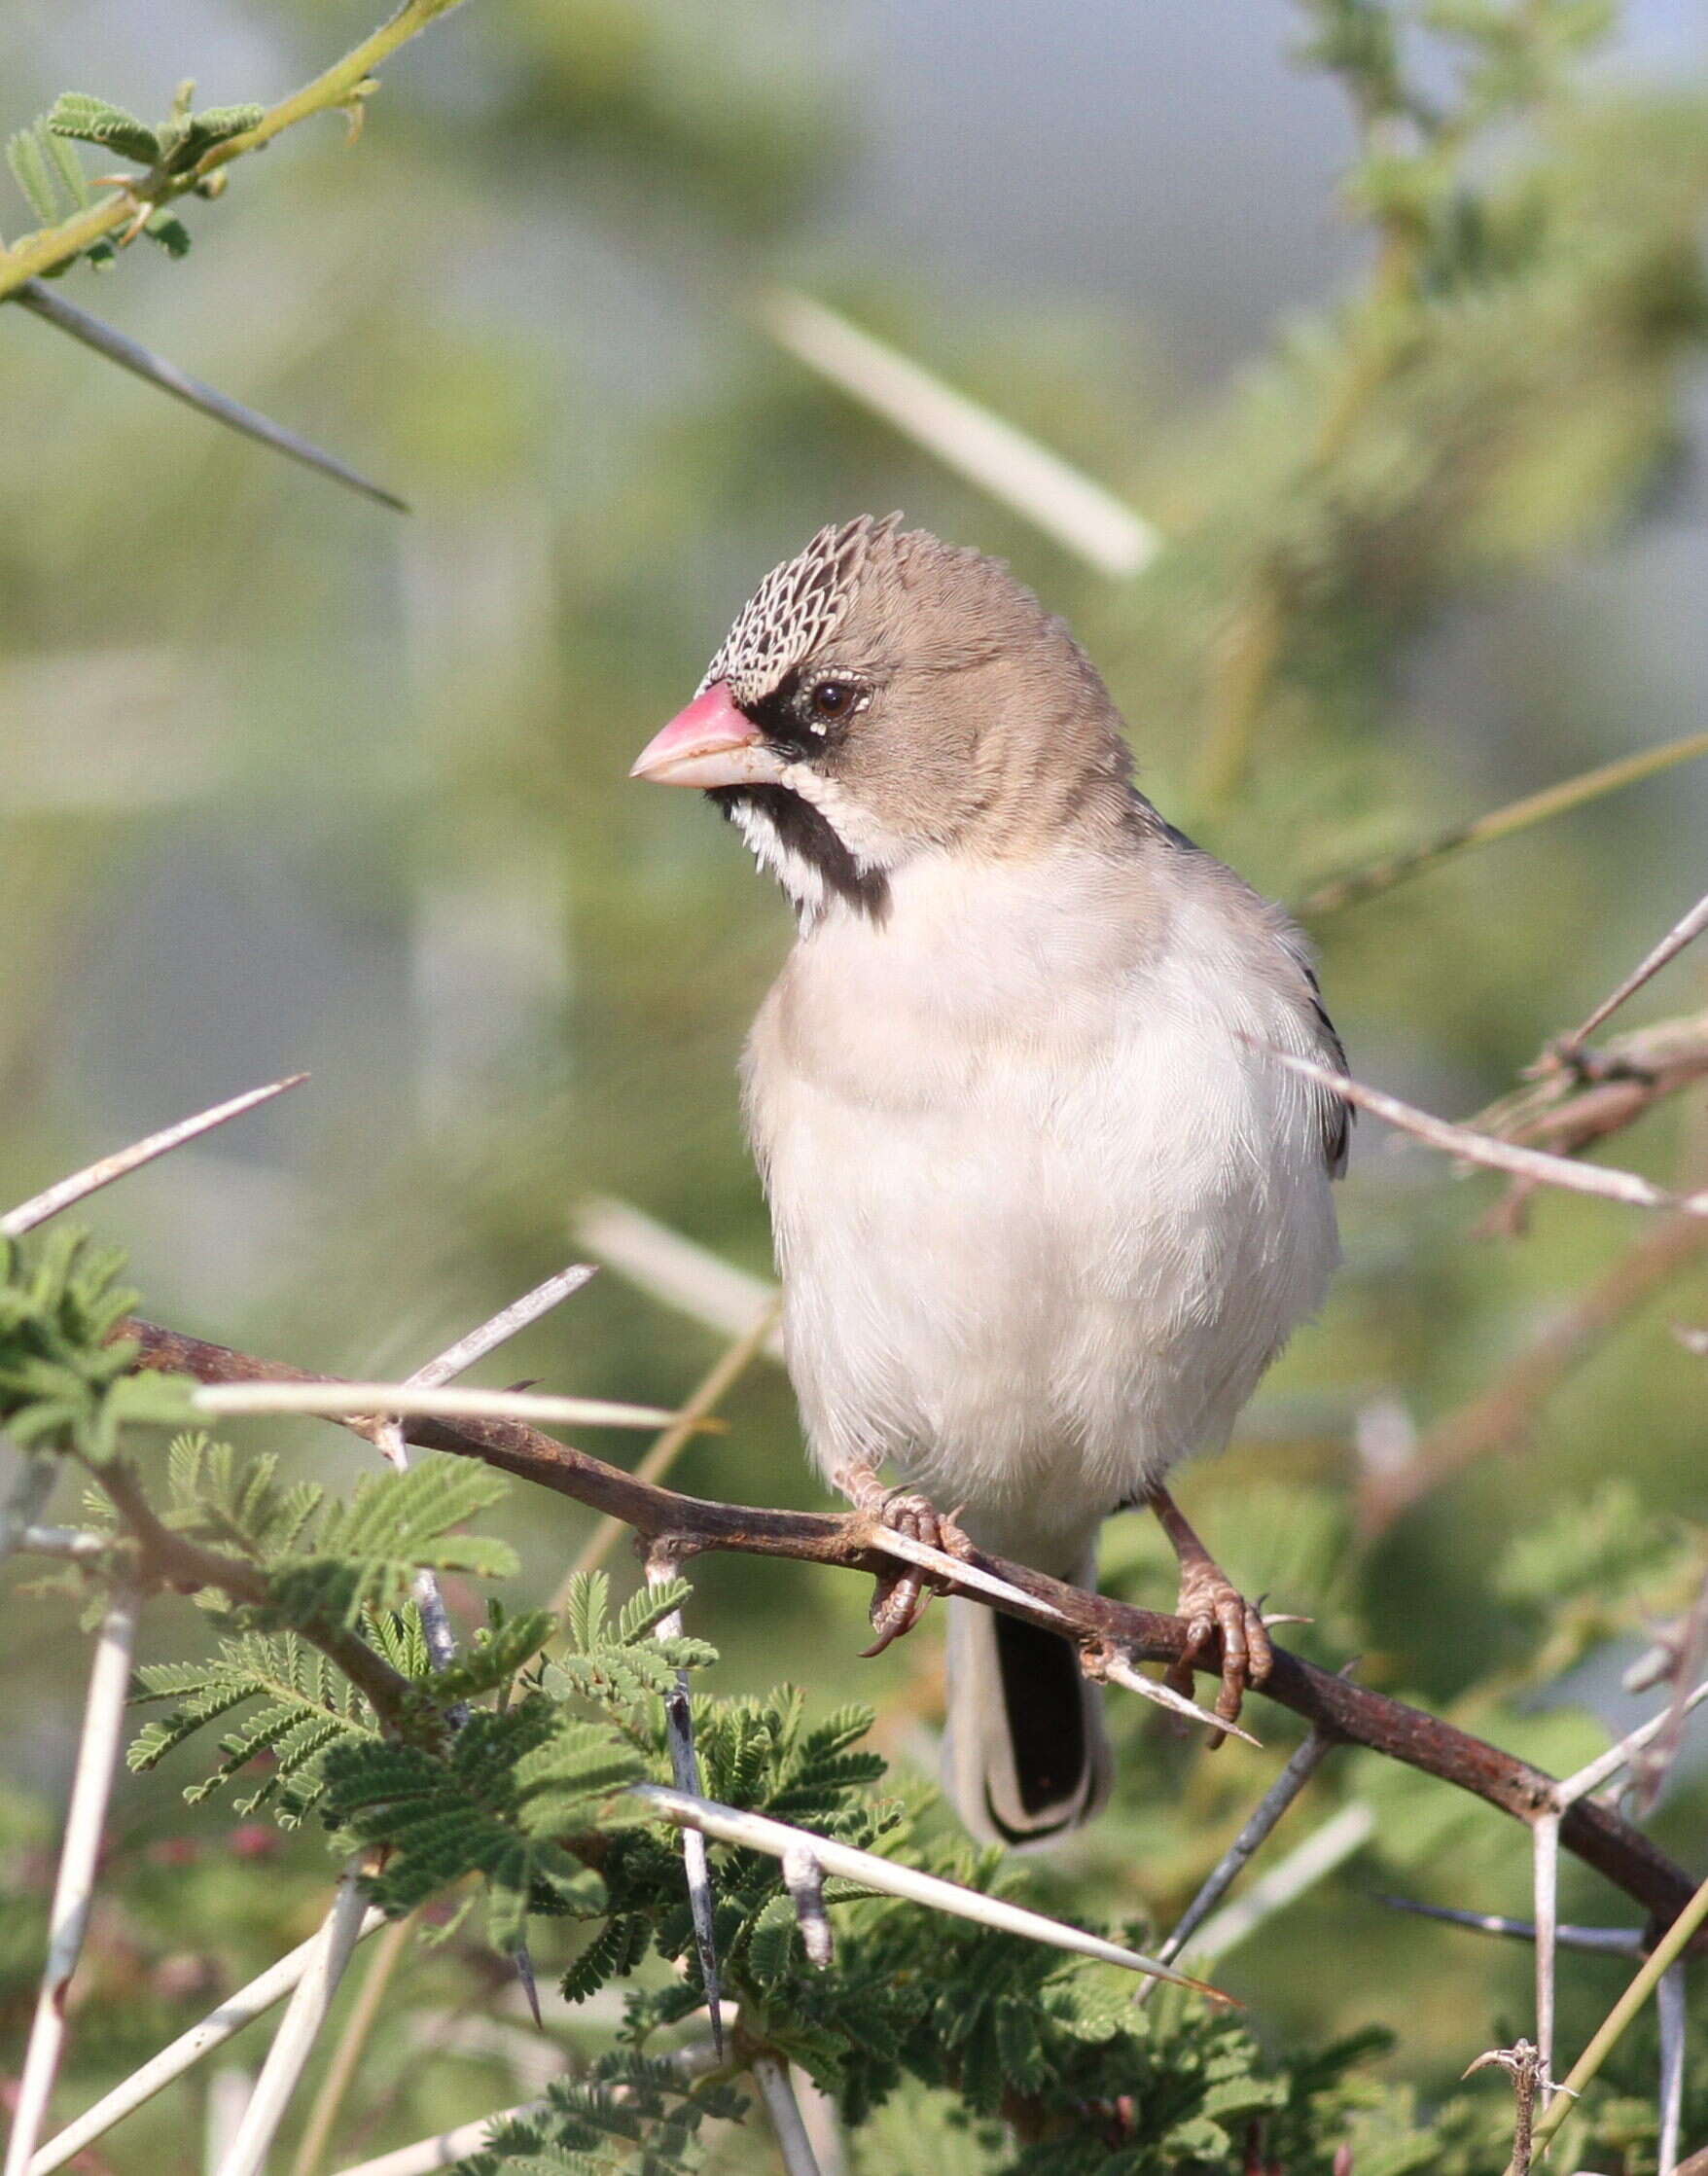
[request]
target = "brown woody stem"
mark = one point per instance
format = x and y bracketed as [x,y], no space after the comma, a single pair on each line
[1351,1713]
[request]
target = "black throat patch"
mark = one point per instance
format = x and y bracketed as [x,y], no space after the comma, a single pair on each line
[810,838]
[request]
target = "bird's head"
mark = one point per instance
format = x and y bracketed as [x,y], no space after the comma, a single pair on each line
[884,695]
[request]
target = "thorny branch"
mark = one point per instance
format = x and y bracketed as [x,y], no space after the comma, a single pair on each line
[690,1524]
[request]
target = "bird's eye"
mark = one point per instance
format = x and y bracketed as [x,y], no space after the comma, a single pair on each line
[830,700]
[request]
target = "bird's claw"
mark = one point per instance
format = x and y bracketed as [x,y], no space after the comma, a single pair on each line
[902,1595]
[1215,1611]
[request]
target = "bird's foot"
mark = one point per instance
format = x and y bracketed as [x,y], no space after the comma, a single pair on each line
[1214,1610]
[901,1594]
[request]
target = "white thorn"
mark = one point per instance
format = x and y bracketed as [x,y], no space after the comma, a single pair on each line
[758,1833]
[183,2053]
[67,1192]
[97,1757]
[341,1400]
[1177,1704]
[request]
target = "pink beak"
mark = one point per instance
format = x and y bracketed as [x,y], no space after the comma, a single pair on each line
[710,743]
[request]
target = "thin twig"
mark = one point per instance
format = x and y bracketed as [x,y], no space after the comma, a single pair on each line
[298,2030]
[1337,893]
[1619,1941]
[1594,1832]
[97,1757]
[183,2053]
[1541,1169]
[1527,2068]
[352,2043]
[67,1192]
[661,1569]
[1337,1840]
[1054,497]
[757,1832]
[1680,934]
[155,370]
[770,2074]
[335,1401]
[1256,1831]
[699,1404]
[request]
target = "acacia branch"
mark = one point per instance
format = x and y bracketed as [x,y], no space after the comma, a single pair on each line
[338,89]
[1331,1704]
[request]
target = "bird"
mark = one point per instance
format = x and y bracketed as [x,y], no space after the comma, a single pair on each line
[1043,1205]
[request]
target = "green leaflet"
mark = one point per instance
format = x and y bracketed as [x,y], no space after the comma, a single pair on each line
[63,1386]
[631,2112]
[305,1709]
[495,1805]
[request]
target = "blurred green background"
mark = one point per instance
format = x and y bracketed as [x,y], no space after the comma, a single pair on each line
[287,781]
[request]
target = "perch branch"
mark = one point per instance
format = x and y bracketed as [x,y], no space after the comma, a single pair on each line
[1590,1831]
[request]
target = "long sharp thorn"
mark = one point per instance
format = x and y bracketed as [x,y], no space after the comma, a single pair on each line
[130,355]
[340,1399]
[66,1192]
[685,1767]
[524,1972]
[1545,1836]
[1177,1704]
[1258,1828]
[213,2031]
[1463,1141]
[98,1758]
[896,1543]
[758,1832]
[1682,933]
[1669,2000]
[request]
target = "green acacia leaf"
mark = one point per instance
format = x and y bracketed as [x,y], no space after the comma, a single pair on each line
[29,169]
[95,121]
